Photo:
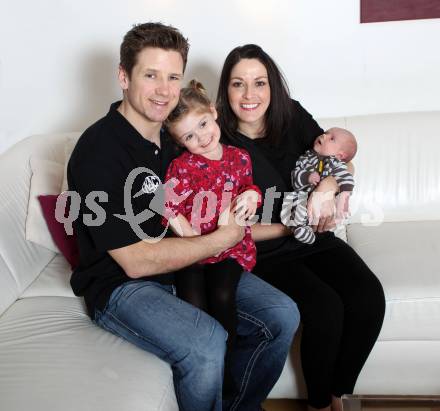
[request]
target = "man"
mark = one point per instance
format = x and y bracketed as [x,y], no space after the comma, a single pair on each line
[127,283]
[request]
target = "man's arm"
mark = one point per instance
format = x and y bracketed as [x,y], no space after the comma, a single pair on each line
[144,259]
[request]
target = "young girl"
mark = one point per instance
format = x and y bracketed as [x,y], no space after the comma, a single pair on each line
[206,179]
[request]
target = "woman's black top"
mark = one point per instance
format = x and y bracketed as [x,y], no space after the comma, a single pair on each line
[272,166]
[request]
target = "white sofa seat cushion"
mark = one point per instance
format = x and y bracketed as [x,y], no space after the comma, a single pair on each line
[393,368]
[404,256]
[412,319]
[52,357]
[401,368]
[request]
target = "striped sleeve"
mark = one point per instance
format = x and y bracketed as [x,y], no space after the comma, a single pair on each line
[305,165]
[343,177]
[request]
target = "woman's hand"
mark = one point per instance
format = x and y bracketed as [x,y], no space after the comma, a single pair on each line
[342,206]
[321,205]
[245,204]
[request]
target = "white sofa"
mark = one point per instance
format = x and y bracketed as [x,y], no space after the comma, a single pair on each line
[53,358]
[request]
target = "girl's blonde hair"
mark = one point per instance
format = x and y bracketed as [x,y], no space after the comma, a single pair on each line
[192,97]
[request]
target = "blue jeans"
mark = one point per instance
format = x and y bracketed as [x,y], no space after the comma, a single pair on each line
[149,315]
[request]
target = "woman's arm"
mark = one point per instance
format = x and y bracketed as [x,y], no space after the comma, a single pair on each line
[261,232]
[182,227]
[321,205]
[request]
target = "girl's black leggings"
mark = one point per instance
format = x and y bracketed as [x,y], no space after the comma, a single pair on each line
[342,306]
[212,288]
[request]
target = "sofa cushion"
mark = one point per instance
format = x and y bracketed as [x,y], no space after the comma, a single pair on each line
[404,256]
[48,164]
[64,242]
[401,368]
[52,357]
[47,177]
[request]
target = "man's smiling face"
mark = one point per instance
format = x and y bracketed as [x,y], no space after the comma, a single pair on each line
[153,87]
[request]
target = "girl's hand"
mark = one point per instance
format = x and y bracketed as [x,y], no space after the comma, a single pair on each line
[245,204]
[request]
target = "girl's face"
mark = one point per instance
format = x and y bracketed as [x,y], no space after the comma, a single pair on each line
[199,133]
[249,93]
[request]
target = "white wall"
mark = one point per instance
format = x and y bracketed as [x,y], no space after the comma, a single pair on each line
[59,58]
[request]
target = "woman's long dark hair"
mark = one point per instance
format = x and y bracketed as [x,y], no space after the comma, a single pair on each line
[278,113]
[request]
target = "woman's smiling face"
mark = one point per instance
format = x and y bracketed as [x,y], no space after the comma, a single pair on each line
[249,93]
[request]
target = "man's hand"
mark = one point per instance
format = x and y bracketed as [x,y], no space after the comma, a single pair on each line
[245,204]
[231,227]
[314,178]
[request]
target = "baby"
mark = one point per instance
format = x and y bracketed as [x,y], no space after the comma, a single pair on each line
[331,151]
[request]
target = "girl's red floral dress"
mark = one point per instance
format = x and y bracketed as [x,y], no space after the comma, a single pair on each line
[209,187]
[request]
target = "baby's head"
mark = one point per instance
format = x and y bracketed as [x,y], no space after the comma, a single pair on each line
[193,124]
[336,142]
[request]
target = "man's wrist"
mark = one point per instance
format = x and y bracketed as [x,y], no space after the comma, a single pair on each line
[219,241]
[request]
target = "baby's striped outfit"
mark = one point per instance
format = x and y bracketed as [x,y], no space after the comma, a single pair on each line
[294,209]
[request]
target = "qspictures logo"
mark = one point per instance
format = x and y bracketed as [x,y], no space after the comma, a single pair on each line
[161,193]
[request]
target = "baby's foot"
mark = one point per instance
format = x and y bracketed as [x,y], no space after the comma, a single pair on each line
[304,234]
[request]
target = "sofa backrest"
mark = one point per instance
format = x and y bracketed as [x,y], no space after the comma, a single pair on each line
[20,260]
[397,169]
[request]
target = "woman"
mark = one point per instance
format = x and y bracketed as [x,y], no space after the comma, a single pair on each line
[340,300]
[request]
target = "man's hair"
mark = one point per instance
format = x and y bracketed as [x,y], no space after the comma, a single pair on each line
[156,35]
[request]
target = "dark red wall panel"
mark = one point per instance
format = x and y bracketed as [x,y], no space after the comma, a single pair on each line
[388,10]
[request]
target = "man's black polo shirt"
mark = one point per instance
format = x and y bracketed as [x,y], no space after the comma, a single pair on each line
[102,160]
